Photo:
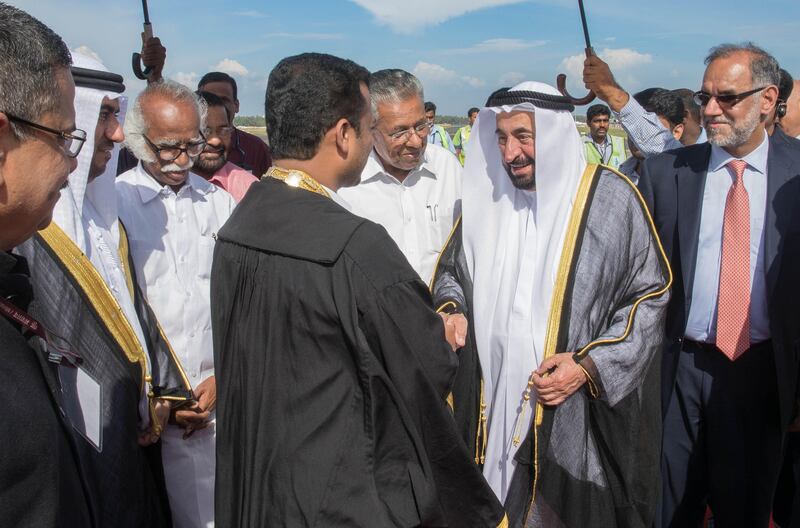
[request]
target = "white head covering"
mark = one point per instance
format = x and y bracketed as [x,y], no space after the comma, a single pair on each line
[512,242]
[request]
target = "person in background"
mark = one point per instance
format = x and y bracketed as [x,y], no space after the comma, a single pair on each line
[212,164]
[437,134]
[601,147]
[245,150]
[461,138]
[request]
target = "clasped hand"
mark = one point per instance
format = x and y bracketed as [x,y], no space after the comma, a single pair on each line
[564,378]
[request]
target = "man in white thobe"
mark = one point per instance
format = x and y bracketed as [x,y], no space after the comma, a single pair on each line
[172,217]
[411,188]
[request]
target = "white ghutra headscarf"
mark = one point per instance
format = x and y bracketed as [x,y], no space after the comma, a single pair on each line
[512,242]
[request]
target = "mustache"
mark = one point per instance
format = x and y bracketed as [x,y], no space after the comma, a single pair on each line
[212,148]
[521,161]
[174,167]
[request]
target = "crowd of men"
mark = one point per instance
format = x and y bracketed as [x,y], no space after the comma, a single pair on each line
[370,323]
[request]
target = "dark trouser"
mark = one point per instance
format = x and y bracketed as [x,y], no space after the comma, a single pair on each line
[722,439]
[786,511]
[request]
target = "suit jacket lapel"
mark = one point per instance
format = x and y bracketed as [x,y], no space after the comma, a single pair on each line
[779,209]
[691,180]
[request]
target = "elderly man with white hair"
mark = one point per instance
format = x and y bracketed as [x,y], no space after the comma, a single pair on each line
[172,217]
[558,268]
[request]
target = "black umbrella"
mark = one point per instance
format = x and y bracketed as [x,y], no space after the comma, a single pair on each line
[136,60]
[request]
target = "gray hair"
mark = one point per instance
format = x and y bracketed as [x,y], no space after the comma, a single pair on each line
[393,86]
[135,124]
[764,68]
[30,54]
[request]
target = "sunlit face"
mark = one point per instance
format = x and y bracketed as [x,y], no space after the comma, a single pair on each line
[218,137]
[472,117]
[430,115]
[598,127]
[731,124]
[33,170]
[107,132]
[404,153]
[171,124]
[516,135]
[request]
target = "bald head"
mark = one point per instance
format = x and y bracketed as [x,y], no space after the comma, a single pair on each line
[790,123]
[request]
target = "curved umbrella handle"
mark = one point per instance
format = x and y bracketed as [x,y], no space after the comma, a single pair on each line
[136,59]
[561,84]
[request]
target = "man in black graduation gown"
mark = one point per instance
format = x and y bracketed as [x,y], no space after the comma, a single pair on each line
[332,366]
[41,482]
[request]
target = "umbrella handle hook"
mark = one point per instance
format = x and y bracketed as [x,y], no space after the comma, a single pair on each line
[136,59]
[561,83]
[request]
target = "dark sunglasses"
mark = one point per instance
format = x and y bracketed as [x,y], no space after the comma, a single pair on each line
[702,98]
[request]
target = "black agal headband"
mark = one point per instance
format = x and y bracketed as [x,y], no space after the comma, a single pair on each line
[99,80]
[508,97]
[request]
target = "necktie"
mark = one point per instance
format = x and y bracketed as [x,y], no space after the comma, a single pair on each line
[733,304]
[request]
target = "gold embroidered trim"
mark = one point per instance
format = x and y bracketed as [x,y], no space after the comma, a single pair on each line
[480,432]
[124,251]
[445,305]
[593,390]
[504,522]
[107,307]
[296,178]
[439,257]
[450,402]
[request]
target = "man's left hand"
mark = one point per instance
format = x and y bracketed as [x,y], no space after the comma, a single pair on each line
[206,394]
[564,379]
[157,423]
[154,55]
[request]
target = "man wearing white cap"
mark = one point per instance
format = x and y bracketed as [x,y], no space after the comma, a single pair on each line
[117,372]
[557,267]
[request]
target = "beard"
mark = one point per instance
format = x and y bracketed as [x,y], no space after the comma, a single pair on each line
[738,134]
[524,183]
[212,165]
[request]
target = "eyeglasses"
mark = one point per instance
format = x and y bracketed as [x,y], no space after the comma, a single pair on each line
[221,132]
[173,152]
[72,141]
[702,98]
[404,135]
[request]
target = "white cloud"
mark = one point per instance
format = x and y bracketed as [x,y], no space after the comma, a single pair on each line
[621,61]
[511,78]
[307,36]
[187,79]
[500,45]
[250,13]
[232,67]
[437,74]
[411,15]
[89,52]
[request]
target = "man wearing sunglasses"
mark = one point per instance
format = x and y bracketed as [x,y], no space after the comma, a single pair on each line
[726,215]
[172,216]
[41,480]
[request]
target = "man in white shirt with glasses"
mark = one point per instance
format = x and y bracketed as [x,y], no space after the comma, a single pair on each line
[411,188]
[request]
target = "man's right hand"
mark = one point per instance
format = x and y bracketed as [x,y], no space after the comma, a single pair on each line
[190,418]
[455,329]
[598,78]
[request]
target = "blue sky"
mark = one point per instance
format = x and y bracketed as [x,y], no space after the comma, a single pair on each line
[462,50]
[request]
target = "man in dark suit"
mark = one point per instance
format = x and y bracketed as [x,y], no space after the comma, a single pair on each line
[728,214]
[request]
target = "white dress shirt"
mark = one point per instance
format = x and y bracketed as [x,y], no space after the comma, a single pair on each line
[702,323]
[418,212]
[172,238]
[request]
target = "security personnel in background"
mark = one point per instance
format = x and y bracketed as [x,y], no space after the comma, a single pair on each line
[598,147]
[438,135]
[462,135]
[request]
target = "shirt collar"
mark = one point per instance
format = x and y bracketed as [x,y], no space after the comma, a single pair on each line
[374,168]
[756,160]
[336,198]
[148,188]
